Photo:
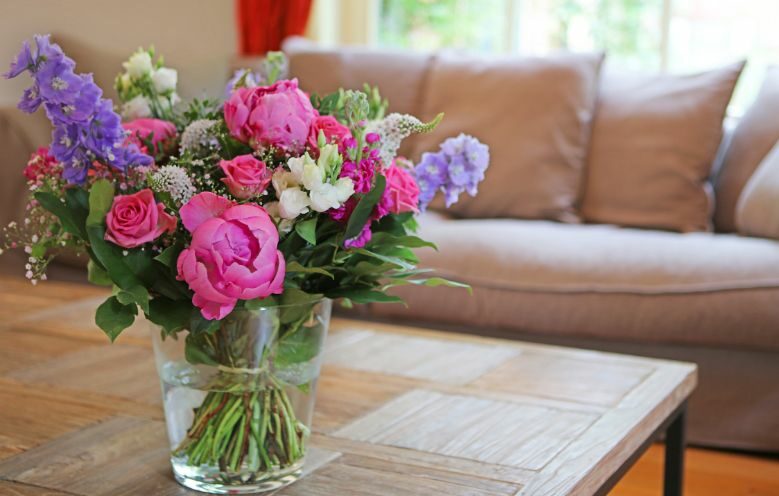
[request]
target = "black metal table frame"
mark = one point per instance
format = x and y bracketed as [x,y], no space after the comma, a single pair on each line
[674,429]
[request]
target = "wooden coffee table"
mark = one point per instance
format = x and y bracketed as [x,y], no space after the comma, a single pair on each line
[400,411]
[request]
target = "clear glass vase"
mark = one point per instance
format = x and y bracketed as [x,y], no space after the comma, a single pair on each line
[239,399]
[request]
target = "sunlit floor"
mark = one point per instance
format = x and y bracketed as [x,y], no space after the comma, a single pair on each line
[708,473]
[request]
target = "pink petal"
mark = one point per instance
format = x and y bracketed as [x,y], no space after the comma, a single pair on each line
[202,207]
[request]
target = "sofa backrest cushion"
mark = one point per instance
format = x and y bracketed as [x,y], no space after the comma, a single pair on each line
[653,144]
[757,210]
[398,75]
[534,113]
[756,133]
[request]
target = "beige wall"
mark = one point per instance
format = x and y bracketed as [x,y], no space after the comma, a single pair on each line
[197,37]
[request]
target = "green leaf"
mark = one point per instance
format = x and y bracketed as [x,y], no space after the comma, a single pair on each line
[113,317]
[110,256]
[96,275]
[171,315]
[409,241]
[388,259]
[299,346]
[134,295]
[169,255]
[268,302]
[200,325]
[61,211]
[365,296]
[431,282]
[364,207]
[196,350]
[296,305]
[101,196]
[296,267]
[307,230]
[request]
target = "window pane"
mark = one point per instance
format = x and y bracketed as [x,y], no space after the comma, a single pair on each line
[706,34]
[629,30]
[433,24]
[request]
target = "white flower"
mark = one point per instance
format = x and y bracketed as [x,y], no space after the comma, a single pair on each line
[175,181]
[138,64]
[329,196]
[168,101]
[394,128]
[328,157]
[164,79]
[293,202]
[284,225]
[198,134]
[313,176]
[136,108]
[282,180]
[297,165]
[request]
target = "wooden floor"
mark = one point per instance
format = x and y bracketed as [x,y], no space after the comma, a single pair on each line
[709,473]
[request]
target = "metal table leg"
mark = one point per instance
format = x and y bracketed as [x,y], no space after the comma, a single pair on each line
[674,455]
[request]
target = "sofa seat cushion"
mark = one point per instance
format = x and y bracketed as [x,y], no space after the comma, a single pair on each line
[599,280]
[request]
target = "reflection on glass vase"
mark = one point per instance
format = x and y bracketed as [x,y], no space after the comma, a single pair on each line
[239,398]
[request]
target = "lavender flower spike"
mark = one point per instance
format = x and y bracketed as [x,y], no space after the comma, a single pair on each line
[458,167]
[86,128]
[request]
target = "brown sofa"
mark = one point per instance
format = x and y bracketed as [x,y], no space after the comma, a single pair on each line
[703,297]
[708,298]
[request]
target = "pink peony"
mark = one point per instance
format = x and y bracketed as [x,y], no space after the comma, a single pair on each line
[279,115]
[245,176]
[136,219]
[402,192]
[233,255]
[156,130]
[334,131]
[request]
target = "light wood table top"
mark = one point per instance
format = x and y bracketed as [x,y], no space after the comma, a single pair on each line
[400,411]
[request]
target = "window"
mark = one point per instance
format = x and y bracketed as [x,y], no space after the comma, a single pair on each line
[649,35]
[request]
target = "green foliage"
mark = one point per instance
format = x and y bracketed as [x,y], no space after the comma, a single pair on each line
[113,317]
[101,195]
[307,230]
[97,275]
[364,208]
[352,106]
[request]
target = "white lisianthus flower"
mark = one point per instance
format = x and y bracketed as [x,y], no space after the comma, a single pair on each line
[329,196]
[328,157]
[136,108]
[313,176]
[283,179]
[284,225]
[164,79]
[293,202]
[297,165]
[138,65]
[345,189]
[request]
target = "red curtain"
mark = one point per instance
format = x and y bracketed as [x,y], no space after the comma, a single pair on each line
[263,24]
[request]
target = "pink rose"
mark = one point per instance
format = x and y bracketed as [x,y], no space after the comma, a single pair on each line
[402,193]
[279,115]
[233,255]
[245,176]
[136,219]
[334,131]
[156,130]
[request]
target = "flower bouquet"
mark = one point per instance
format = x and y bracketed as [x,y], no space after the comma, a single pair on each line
[230,225]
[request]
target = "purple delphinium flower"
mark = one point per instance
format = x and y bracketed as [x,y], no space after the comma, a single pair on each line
[457,167]
[86,128]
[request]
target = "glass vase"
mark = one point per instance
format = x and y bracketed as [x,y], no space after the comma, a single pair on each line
[239,398]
